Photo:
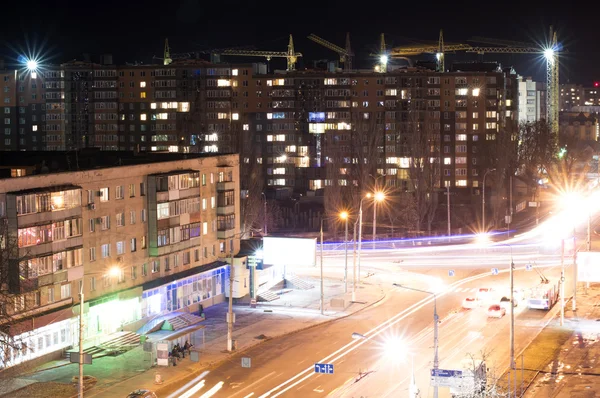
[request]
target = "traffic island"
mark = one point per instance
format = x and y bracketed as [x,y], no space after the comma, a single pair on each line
[44,390]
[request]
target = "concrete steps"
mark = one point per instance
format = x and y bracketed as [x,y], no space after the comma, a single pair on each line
[296,283]
[268,296]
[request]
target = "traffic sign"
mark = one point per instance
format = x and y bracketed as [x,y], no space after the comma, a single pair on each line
[494,271]
[450,272]
[325,368]
[528,267]
[446,378]
[245,362]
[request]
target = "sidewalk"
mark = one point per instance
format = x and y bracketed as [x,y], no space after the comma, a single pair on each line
[118,376]
[563,361]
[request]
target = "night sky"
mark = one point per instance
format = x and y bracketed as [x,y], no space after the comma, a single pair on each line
[65,30]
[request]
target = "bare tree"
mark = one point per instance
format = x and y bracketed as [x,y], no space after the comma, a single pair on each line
[536,150]
[478,380]
[424,166]
[17,295]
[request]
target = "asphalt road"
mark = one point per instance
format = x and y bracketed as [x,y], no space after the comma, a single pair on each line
[285,366]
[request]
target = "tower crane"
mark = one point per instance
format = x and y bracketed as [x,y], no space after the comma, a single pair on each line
[290,54]
[345,54]
[550,53]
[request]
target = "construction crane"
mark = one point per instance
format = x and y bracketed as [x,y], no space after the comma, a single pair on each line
[168,58]
[550,53]
[346,54]
[290,54]
[383,57]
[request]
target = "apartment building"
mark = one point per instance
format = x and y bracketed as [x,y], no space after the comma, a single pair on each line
[140,239]
[570,95]
[285,122]
[591,95]
[580,125]
[532,100]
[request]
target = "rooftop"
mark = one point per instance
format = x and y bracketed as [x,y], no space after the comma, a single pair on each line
[44,162]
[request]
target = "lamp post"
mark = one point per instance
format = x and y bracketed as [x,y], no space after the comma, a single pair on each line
[448,206]
[483,200]
[562,282]
[574,301]
[114,271]
[354,262]
[377,197]
[435,331]
[264,213]
[344,216]
[31,66]
[512,310]
[360,230]
[322,296]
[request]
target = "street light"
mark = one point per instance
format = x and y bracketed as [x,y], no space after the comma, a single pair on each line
[483,200]
[377,197]
[435,331]
[113,271]
[344,216]
[265,213]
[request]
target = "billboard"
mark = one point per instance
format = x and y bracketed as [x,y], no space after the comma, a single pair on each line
[299,252]
[588,266]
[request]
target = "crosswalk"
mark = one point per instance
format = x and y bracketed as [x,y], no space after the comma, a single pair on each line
[463,290]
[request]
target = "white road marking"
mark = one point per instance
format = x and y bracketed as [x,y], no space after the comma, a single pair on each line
[182,390]
[318,389]
[249,395]
[250,385]
[213,390]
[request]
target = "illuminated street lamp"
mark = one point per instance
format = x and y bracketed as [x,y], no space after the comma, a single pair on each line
[113,271]
[377,197]
[344,216]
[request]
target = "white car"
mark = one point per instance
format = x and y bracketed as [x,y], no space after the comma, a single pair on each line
[469,303]
[495,311]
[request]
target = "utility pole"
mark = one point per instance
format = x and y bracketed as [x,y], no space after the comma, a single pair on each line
[322,296]
[589,249]
[435,343]
[354,263]
[483,201]
[265,213]
[374,221]
[359,235]
[346,257]
[512,315]
[510,213]
[574,301]
[81,302]
[562,282]
[448,206]
[230,312]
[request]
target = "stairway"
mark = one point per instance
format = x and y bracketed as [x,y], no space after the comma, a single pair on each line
[268,296]
[118,341]
[296,283]
[183,320]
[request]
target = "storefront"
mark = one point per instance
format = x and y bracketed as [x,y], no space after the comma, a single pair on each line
[184,292]
[109,314]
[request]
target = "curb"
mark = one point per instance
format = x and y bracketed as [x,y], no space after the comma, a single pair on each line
[241,351]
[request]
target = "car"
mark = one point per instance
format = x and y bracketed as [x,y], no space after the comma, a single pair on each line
[470,303]
[484,293]
[495,311]
[142,394]
[505,303]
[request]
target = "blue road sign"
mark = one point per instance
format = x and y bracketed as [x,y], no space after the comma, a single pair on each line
[325,368]
[494,271]
[446,373]
[450,272]
[528,267]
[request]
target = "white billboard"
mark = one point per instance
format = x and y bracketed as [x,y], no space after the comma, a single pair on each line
[299,252]
[588,266]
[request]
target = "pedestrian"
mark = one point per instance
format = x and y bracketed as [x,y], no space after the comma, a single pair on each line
[187,346]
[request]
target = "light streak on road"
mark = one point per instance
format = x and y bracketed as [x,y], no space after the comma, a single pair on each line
[193,390]
[354,344]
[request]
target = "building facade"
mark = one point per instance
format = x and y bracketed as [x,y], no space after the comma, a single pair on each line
[570,95]
[140,239]
[532,100]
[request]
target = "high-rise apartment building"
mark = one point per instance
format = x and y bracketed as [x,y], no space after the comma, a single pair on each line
[139,239]
[570,95]
[284,122]
[532,100]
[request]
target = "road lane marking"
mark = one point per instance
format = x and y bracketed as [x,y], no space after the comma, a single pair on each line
[318,389]
[213,390]
[193,390]
[254,383]
[249,395]
[178,393]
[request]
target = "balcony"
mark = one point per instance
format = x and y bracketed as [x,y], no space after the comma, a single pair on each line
[224,210]
[225,186]
[226,234]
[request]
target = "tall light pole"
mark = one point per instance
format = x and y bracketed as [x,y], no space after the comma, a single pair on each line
[512,314]
[31,66]
[574,301]
[483,200]
[354,262]
[360,231]
[322,296]
[114,271]
[265,213]
[435,331]
[344,216]
[562,282]
[448,206]
[230,308]
[377,197]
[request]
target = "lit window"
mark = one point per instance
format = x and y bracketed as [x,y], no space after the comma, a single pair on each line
[222,116]
[246,127]
[462,91]
[475,92]
[461,183]
[183,107]
[269,116]
[223,83]
[143,116]
[34,127]
[153,105]
[461,137]
[142,84]
[143,94]
[447,160]
[235,116]
[508,102]
[234,72]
